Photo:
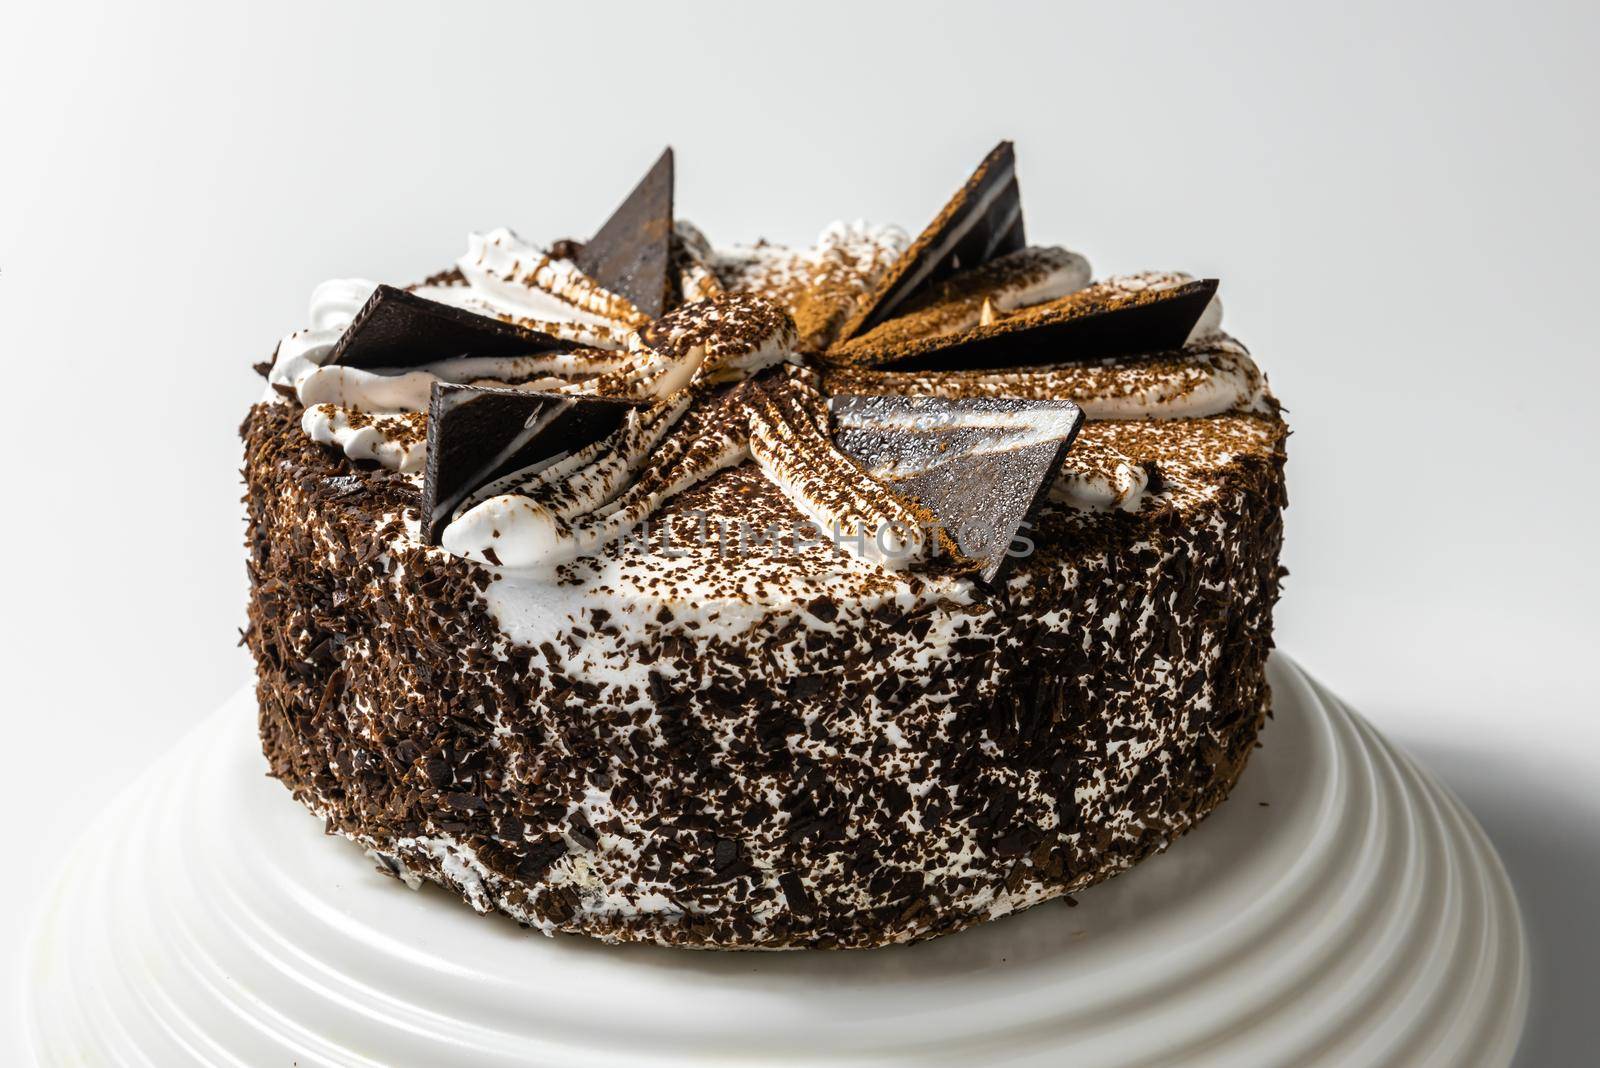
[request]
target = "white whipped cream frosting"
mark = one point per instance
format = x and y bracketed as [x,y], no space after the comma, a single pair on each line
[1068,272]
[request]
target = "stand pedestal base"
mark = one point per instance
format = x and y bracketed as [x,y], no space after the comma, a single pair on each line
[1340,909]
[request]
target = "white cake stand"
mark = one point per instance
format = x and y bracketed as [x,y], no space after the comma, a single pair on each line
[1340,909]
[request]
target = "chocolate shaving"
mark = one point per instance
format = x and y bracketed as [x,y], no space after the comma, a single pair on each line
[397,329]
[631,253]
[981,466]
[981,222]
[477,434]
[1084,326]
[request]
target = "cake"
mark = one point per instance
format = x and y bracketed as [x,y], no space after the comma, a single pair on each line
[757,597]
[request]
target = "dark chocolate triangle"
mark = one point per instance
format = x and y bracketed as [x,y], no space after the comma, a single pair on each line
[981,222]
[477,434]
[981,466]
[632,251]
[400,329]
[1071,330]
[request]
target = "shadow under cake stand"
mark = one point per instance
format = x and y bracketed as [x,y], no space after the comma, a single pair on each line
[1341,908]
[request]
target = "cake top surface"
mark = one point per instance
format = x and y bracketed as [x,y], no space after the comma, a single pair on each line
[648,418]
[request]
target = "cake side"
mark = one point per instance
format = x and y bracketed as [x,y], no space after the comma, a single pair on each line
[804,774]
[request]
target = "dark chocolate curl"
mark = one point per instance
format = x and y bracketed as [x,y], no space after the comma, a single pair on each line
[477,434]
[397,329]
[981,466]
[631,253]
[981,222]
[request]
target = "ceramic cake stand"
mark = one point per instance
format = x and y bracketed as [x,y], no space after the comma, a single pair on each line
[1340,909]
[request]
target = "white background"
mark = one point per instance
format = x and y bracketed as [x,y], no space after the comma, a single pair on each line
[1400,203]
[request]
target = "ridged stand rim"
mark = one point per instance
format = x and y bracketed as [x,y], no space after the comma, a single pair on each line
[1359,917]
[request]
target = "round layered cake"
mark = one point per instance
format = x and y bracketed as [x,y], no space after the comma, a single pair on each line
[759,597]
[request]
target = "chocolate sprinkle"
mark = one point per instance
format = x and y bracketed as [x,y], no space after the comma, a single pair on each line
[982,466]
[399,329]
[477,434]
[631,253]
[981,222]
